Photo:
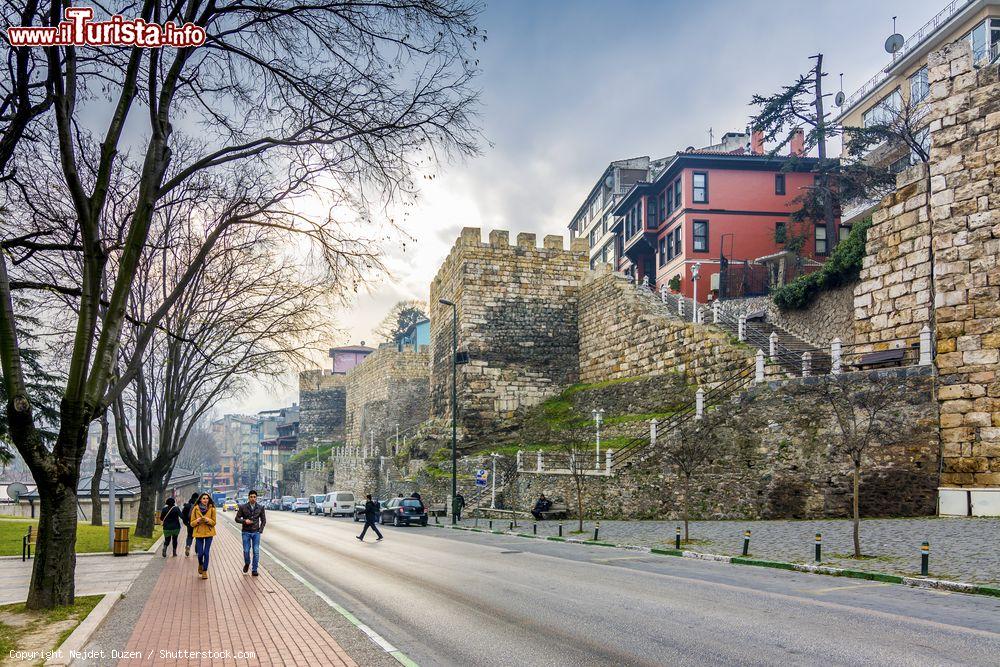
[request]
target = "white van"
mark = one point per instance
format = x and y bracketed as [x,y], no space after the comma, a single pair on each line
[339,503]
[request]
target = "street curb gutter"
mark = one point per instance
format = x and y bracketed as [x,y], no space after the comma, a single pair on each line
[80,636]
[912,582]
[378,639]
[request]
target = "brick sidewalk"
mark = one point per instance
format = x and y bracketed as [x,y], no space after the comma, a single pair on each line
[229,613]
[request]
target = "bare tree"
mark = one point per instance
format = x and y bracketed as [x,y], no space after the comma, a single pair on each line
[402,316]
[867,414]
[200,453]
[691,448]
[337,100]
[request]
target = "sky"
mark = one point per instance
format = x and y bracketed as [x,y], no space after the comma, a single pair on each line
[568,86]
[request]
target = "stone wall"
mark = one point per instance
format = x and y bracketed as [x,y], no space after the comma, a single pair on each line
[829,316]
[516,308]
[624,332]
[349,469]
[781,464]
[389,389]
[322,406]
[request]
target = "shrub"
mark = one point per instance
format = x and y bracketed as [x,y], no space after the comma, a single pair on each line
[843,267]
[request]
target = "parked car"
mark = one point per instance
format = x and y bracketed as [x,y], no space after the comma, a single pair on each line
[286,503]
[404,511]
[339,503]
[230,505]
[300,505]
[272,504]
[316,503]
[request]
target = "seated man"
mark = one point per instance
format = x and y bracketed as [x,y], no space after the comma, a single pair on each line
[543,504]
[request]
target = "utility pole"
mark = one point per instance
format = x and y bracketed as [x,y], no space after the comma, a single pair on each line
[111,503]
[493,479]
[454,406]
[832,237]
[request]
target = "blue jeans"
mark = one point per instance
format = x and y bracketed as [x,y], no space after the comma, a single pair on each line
[251,540]
[203,545]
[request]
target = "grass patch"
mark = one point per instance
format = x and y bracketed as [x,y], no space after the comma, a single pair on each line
[89,539]
[41,630]
[310,453]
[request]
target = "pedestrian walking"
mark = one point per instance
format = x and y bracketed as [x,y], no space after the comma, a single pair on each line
[251,517]
[186,518]
[371,517]
[170,517]
[203,525]
[458,504]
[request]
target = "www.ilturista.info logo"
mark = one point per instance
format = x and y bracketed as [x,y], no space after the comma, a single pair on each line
[78,29]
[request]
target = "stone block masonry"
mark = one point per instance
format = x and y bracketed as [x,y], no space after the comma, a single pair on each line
[624,332]
[322,406]
[389,389]
[517,319]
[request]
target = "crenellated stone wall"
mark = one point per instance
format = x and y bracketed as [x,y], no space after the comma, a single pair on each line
[517,319]
[624,332]
[322,406]
[388,389]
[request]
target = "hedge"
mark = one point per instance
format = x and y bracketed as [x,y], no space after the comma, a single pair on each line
[843,267]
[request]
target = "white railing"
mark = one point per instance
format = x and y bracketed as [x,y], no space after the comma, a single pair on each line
[939,19]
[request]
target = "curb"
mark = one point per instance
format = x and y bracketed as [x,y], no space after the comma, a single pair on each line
[912,582]
[78,639]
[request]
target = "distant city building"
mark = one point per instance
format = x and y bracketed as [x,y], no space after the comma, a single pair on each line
[347,357]
[416,336]
[277,449]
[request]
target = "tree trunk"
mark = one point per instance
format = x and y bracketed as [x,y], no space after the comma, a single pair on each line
[857,514]
[95,481]
[52,576]
[687,507]
[579,502]
[147,506]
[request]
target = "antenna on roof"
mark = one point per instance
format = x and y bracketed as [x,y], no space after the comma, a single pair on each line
[895,41]
[839,98]
[711,137]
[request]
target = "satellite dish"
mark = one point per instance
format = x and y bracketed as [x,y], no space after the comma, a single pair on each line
[15,490]
[839,99]
[609,182]
[894,43]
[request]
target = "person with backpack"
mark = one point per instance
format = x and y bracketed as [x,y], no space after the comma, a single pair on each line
[372,511]
[186,518]
[203,526]
[170,517]
[252,519]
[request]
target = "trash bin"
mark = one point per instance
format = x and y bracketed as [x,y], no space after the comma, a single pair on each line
[121,541]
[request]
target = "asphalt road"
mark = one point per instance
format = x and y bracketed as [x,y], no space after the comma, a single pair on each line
[457,598]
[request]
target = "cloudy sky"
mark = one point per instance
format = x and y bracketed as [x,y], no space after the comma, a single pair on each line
[569,86]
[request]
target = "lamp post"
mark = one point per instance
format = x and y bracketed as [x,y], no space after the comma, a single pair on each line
[111,502]
[493,480]
[454,403]
[598,418]
[694,294]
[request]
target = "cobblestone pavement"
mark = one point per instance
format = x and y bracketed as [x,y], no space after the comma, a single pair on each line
[961,549]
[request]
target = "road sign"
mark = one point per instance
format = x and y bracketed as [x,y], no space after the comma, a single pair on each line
[482,476]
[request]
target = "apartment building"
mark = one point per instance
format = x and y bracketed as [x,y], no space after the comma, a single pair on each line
[903,83]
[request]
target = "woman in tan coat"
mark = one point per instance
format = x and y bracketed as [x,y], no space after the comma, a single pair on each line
[203,528]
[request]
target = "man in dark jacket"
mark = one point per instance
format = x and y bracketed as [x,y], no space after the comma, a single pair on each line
[252,518]
[458,504]
[186,518]
[543,504]
[372,512]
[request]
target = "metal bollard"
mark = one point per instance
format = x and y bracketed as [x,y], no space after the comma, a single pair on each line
[491,524]
[746,542]
[925,557]
[511,526]
[560,529]
[819,547]
[677,538]
[597,529]
[534,528]
[476,525]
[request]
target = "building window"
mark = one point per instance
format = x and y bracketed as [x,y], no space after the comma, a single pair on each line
[699,187]
[662,201]
[652,214]
[919,88]
[780,232]
[663,251]
[820,240]
[677,241]
[779,184]
[844,232]
[700,236]
[677,194]
[670,199]
[885,110]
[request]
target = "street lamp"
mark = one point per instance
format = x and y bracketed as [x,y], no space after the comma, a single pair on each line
[694,295]
[454,403]
[111,502]
[598,418]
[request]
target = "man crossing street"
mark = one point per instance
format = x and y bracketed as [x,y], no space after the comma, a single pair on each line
[371,518]
[252,518]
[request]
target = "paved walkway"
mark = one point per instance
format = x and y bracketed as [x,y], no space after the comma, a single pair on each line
[95,574]
[961,549]
[230,619]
